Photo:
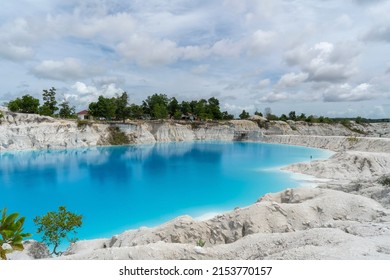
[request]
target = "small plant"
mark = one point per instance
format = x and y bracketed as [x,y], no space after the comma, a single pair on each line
[11,233]
[82,123]
[385,181]
[118,137]
[352,140]
[56,226]
[200,243]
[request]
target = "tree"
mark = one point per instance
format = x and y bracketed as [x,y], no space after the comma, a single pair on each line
[56,226]
[122,111]
[136,111]
[201,109]
[156,106]
[302,117]
[227,116]
[214,109]
[311,119]
[49,106]
[267,112]
[173,107]
[11,233]
[258,113]
[292,116]
[26,104]
[177,115]
[244,115]
[104,108]
[185,107]
[283,117]
[66,111]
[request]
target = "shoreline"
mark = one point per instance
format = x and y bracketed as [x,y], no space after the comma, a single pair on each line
[342,213]
[87,249]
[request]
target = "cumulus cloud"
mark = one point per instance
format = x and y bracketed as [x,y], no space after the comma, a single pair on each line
[261,41]
[15,40]
[82,94]
[62,70]
[264,83]
[273,97]
[346,92]
[292,79]
[324,61]
[15,53]
[237,109]
[147,51]
[110,28]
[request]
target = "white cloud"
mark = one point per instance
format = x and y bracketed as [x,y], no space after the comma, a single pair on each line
[237,109]
[14,52]
[274,97]
[264,83]
[82,94]
[147,51]
[260,42]
[227,48]
[324,61]
[110,28]
[62,70]
[292,79]
[346,92]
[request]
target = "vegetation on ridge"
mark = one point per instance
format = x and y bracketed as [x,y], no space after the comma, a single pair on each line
[118,137]
[159,106]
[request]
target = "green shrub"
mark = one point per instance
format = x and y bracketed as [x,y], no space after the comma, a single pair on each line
[353,140]
[83,123]
[11,233]
[385,181]
[118,137]
[200,243]
[348,125]
[56,226]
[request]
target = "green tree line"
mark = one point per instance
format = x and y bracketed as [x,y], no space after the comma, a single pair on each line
[156,106]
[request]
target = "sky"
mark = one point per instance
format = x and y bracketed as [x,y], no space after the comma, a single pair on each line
[320,57]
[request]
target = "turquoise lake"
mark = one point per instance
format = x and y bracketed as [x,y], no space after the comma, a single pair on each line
[120,188]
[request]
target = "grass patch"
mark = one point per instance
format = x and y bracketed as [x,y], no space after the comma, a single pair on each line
[385,181]
[118,137]
[352,140]
[83,123]
[200,243]
[348,125]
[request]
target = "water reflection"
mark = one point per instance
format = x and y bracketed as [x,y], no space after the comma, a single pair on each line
[139,185]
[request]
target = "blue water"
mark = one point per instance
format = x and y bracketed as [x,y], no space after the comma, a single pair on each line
[118,188]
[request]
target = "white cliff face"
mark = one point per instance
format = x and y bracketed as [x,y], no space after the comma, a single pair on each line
[27,131]
[334,143]
[347,166]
